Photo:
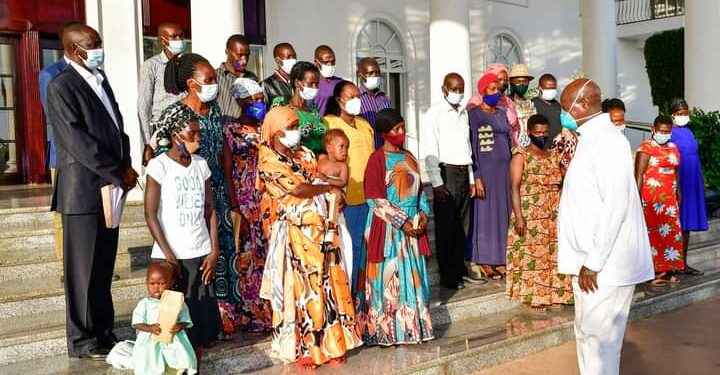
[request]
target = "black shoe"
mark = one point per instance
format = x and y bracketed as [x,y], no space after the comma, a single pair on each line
[692,271]
[108,341]
[100,352]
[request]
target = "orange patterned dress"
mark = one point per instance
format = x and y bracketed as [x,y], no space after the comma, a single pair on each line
[312,311]
[532,275]
[660,204]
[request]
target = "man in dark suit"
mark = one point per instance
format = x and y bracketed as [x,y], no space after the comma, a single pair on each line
[92,151]
[46,75]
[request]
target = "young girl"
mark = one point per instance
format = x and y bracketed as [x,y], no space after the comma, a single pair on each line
[656,172]
[151,357]
[180,212]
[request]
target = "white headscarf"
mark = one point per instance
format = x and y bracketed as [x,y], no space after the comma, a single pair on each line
[245,87]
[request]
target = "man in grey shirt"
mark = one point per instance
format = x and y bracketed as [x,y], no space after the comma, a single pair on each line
[152,97]
[237,50]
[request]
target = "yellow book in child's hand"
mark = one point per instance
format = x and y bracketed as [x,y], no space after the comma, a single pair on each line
[171,303]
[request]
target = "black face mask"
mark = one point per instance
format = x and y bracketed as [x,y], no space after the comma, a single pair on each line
[503,88]
[540,142]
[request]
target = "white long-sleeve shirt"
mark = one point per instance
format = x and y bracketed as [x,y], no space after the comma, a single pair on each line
[601,224]
[445,139]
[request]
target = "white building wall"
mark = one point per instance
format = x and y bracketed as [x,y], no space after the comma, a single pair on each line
[549,31]
[309,23]
[633,82]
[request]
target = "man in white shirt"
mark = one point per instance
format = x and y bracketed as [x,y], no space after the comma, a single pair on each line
[445,148]
[603,239]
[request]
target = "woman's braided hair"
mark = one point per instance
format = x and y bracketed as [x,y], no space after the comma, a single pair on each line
[179,69]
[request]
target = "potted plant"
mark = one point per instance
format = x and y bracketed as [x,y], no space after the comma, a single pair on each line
[706,127]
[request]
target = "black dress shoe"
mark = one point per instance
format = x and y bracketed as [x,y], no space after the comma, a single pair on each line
[108,341]
[96,353]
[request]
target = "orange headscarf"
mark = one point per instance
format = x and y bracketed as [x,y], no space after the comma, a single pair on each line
[276,120]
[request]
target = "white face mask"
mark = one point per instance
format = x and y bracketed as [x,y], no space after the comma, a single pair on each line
[352,106]
[372,83]
[549,94]
[454,98]
[176,46]
[308,93]
[681,120]
[327,71]
[620,128]
[208,93]
[661,139]
[95,57]
[291,138]
[288,64]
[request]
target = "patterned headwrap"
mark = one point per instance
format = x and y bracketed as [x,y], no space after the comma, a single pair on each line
[276,120]
[172,120]
[245,87]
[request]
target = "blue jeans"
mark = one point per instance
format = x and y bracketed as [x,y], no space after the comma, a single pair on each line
[356,218]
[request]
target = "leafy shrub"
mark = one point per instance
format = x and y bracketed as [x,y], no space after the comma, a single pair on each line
[706,127]
[664,63]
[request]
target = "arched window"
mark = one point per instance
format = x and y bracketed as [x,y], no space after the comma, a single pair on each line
[379,40]
[503,48]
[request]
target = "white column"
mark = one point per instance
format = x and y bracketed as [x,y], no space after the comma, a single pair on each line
[449,45]
[599,38]
[121,25]
[212,25]
[702,34]
[93,14]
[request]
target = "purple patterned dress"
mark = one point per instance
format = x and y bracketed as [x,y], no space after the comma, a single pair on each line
[252,312]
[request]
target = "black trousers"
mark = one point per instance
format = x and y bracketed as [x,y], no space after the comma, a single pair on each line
[90,249]
[452,222]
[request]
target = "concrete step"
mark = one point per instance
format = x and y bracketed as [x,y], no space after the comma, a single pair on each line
[42,240]
[42,294]
[19,220]
[19,334]
[459,348]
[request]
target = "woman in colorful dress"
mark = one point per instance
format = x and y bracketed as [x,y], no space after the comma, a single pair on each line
[251,313]
[304,79]
[313,318]
[535,180]
[490,140]
[693,213]
[656,172]
[564,145]
[193,74]
[397,290]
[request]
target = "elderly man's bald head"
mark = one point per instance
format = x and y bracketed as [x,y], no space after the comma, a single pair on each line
[581,98]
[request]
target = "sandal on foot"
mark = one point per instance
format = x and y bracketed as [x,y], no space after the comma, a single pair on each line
[306,363]
[489,271]
[692,271]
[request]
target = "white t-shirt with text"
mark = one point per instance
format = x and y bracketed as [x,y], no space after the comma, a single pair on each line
[182,206]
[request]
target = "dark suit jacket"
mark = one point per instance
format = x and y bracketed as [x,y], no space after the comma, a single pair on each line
[91,150]
[46,75]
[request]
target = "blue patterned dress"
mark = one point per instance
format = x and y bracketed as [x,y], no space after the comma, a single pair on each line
[397,291]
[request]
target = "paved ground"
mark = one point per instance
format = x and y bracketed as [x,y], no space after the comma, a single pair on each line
[684,341]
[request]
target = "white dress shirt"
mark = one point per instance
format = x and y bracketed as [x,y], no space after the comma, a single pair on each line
[95,80]
[601,224]
[445,138]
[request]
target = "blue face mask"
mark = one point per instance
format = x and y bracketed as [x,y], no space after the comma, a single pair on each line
[492,100]
[255,110]
[567,121]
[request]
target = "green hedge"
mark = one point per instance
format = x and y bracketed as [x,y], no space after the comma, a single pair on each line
[664,62]
[706,127]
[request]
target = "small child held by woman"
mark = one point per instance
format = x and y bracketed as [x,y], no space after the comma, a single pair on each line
[155,358]
[332,169]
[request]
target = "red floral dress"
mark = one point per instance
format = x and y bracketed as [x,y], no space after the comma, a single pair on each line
[660,205]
